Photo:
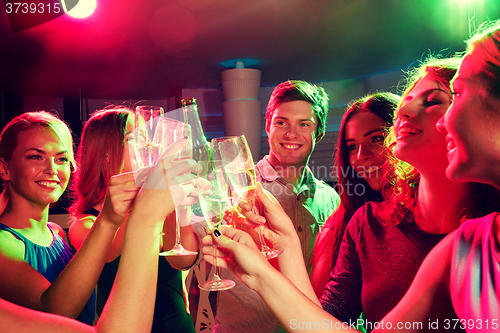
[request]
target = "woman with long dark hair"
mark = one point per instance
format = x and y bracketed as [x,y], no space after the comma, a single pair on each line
[358,165]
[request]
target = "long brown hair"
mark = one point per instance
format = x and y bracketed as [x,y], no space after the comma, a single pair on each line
[381,104]
[100,156]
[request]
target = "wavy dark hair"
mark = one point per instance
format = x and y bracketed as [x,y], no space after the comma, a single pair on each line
[381,104]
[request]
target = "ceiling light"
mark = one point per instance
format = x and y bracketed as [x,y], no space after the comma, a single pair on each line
[79,8]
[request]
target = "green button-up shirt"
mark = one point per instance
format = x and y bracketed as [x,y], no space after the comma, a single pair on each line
[308,205]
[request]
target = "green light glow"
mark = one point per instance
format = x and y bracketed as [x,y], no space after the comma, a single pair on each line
[466,2]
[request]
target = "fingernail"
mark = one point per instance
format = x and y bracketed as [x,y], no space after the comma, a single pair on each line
[186,137]
[217,233]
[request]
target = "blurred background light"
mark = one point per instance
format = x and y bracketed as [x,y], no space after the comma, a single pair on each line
[466,2]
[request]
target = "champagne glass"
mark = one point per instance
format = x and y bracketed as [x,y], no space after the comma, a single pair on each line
[238,164]
[213,204]
[146,153]
[168,131]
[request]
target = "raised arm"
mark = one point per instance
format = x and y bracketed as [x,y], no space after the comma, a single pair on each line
[134,289]
[85,268]
[294,310]
[426,302]
[71,290]
[131,303]
[79,229]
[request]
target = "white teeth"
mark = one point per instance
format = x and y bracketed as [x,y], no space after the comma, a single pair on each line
[450,144]
[408,130]
[373,168]
[48,184]
[291,146]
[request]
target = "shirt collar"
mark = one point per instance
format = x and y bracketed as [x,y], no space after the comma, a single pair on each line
[268,173]
[266,170]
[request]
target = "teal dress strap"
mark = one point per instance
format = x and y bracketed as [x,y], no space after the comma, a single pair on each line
[50,262]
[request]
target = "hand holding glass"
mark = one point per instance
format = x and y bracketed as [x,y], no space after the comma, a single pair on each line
[213,204]
[238,164]
[168,131]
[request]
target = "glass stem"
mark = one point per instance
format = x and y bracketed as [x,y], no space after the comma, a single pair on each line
[177,229]
[263,244]
[216,268]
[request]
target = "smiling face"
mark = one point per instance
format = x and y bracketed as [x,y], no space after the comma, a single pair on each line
[292,134]
[39,169]
[417,140]
[364,136]
[473,123]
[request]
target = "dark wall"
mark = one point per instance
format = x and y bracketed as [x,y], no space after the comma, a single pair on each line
[11,105]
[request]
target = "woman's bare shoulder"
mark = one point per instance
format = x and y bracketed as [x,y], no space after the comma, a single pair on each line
[11,247]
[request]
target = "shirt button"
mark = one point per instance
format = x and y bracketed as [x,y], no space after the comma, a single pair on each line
[299,229]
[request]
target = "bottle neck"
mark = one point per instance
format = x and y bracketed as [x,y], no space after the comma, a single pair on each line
[191,117]
[199,140]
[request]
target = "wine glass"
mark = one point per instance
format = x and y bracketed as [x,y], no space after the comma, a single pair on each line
[213,204]
[168,131]
[238,164]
